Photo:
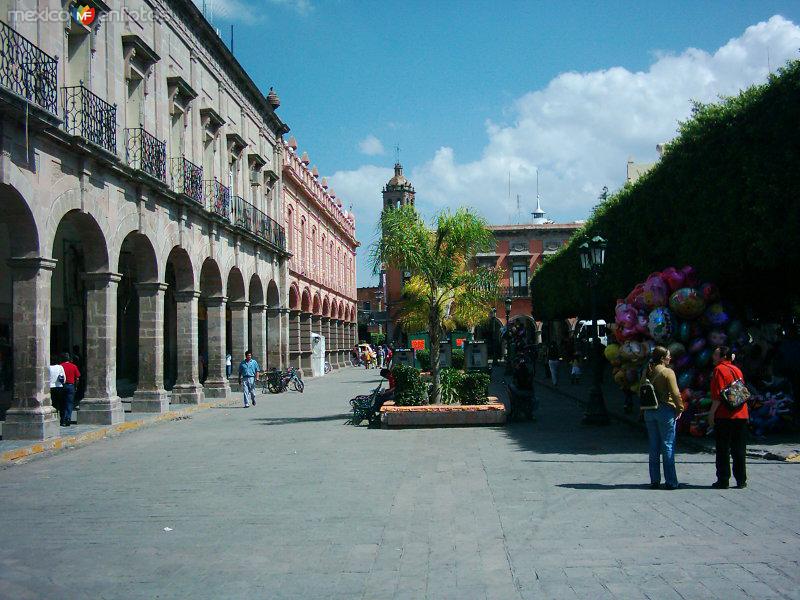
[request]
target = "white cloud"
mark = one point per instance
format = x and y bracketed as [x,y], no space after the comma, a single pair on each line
[579,132]
[371,146]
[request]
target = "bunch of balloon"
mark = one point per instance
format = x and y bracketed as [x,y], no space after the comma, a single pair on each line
[672,308]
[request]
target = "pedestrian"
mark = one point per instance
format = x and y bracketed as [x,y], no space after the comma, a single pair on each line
[72,377]
[57,379]
[228,365]
[660,421]
[730,425]
[248,370]
[380,356]
[553,357]
[575,371]
[388,357]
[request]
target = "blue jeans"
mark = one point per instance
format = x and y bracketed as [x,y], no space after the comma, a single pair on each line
[661,433]
[69,401]
[249,390]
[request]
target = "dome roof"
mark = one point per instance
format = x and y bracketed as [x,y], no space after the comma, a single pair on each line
[399,178]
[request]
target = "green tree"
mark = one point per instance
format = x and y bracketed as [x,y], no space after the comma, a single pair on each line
[444,291]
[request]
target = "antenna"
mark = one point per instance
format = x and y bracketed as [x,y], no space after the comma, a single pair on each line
[397,153]
[519,212]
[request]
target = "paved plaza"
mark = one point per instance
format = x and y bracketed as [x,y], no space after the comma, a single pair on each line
[283,500]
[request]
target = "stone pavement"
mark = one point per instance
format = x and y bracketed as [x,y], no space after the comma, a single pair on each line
[285,501]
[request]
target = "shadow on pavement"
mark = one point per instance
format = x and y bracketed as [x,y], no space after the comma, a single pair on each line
[294,420]
[625,486]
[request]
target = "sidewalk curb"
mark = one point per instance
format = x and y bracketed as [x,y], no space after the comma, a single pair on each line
[687,440]
[18,455]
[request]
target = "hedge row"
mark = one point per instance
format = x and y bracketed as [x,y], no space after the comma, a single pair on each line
[724,198]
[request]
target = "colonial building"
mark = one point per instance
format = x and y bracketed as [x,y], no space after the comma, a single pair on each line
[322,269]
[371,313]
[141,192]
[519,250]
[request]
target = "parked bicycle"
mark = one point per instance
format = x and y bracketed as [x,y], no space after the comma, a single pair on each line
[327,367]
[279,381]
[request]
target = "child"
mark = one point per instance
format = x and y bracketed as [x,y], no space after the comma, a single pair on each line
[575,373]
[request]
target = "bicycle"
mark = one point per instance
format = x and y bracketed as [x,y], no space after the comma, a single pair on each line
[327,367]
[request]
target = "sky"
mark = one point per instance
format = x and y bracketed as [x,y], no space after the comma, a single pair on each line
[472,92]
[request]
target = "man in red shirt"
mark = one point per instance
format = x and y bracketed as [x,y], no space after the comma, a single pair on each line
[72,376]
[730,426]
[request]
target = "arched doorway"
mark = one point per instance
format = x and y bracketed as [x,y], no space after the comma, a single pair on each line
[213,330]
[274,356]
[82,286]
[257,322]
[238,338]
[181,365]
[25,282]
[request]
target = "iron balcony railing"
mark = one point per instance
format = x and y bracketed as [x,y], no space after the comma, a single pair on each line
[27,71]
[515,291]
[219,198]
[90,117]
[187,178]
[270,230]
[146,153]
[246,216]
[243,214]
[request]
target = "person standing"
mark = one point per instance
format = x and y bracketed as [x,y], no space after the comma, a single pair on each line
[380,356]
[228,365]
[57,379]
[248,369]
[730,425]
[660,421]
[553,356]
[72,377]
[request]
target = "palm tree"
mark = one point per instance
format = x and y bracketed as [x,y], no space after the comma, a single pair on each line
[443,289]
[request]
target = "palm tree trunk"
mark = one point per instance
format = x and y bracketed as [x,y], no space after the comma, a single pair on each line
[433,328]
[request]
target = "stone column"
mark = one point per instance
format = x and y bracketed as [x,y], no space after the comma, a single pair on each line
[294,338]
[284,337]
[150,395]
[239,340]
[216,385]
[101,406]
[31,416]
[335,345]
[258,342]
[351,334]
[305,343]
[342,326]
[324,330]
[187,388]
[274,338]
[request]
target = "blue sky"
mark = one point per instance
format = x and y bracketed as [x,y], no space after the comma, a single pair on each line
[472,90]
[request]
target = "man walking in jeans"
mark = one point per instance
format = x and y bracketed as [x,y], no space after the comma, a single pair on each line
[71,378]
[248,369]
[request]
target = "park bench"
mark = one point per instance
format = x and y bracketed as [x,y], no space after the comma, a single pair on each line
[362,406]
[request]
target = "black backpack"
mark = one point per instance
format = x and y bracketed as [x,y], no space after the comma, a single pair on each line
[648,399]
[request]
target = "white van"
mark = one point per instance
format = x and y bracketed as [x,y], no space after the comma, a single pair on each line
[583,332]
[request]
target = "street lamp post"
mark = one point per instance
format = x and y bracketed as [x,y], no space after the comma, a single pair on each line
[593,254]
[508,303]
[493,321]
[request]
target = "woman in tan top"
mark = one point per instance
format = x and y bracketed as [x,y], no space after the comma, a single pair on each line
[661,421]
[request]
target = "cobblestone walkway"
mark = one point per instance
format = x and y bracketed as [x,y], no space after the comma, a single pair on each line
[285,501]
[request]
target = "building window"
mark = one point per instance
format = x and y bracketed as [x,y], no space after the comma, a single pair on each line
[367,305]
[519,276]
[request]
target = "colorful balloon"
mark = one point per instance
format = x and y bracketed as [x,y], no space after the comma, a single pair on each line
[660,324]
[676,349]
[685,378]
[630,351]
[697,345]
[716,337]
[682,362]
[716,315]
[625,315]
[673,278]
[687,303]
[710,292]
[611,353]
[689,276]
[655,292]
[702,358]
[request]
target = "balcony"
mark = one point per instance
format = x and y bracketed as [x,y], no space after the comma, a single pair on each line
[26,71]
[516,291]
[88,116]
[187,179]
[219,198]
[243,214]
[146,153]
[269,230]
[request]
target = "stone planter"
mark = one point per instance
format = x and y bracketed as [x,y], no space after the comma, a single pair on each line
[443,415]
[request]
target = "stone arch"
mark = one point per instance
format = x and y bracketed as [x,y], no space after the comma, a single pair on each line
[334,309]
[316,307]
[273,295]
[255,292]
[86,232]
[305,301]
[341,311]
[235,290]
[67,204]
[294,297]
[137,251]
[17,213]
[182,269]
[210,279]
[352,313]
[326,307]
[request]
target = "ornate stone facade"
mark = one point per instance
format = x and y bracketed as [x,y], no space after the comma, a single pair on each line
[322,269]
[142,217]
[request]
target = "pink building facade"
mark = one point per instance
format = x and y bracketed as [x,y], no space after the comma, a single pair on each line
[321,236]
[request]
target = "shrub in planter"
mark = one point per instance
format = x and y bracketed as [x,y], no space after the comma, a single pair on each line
[409,390]
[457,358]
[424,358]
[473,388]
[450,379]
